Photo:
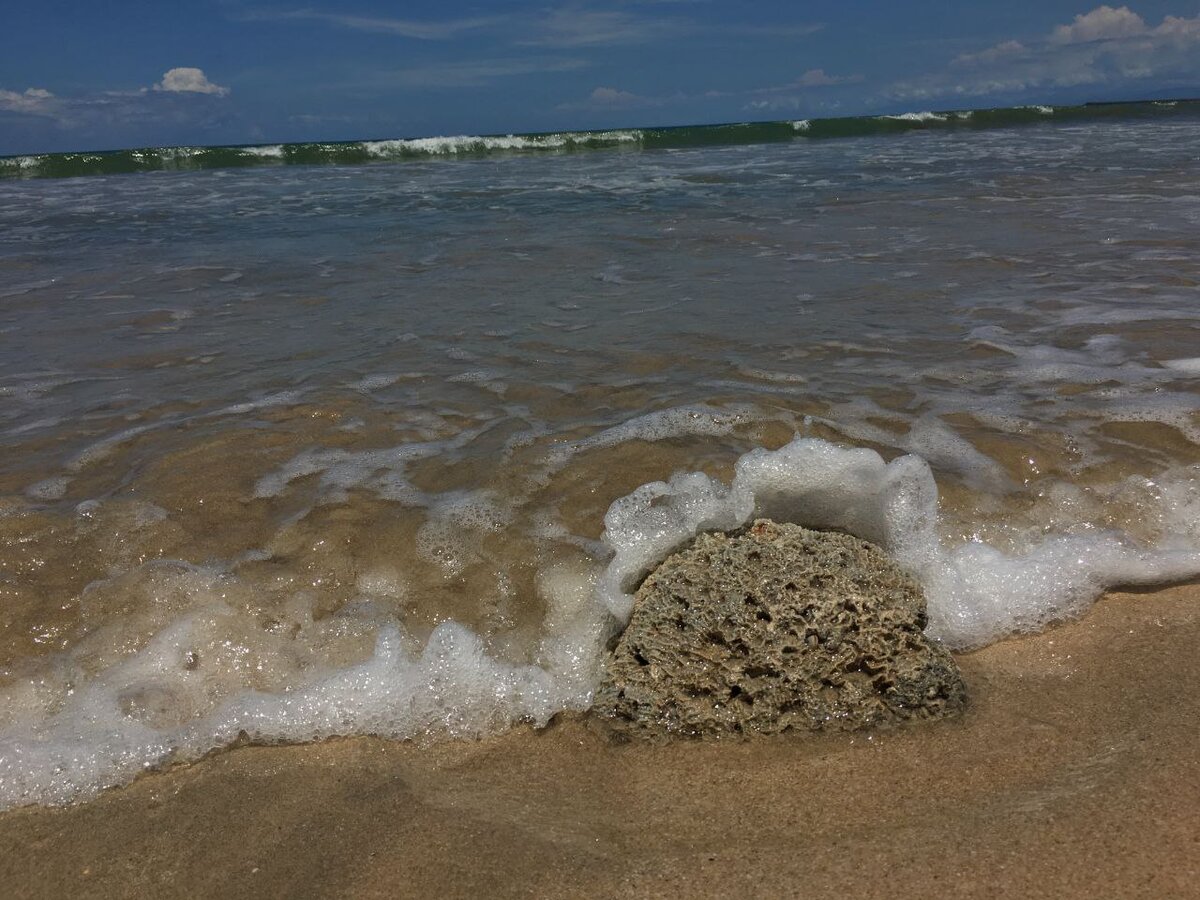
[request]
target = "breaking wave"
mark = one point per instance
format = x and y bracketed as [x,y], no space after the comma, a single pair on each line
[151,159]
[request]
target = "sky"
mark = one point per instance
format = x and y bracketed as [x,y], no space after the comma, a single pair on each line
[82,75]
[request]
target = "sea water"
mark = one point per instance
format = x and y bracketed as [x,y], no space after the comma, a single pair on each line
[295,451]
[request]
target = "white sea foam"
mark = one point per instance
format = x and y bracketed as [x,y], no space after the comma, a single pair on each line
[802,125]
[976,592]
[916,117]
[451,145]
[271,151]
[451,536]
[768,375]
[1190,366]
[927,437]
[22,163]
[191,667]
[106,446]
[103,448]
[211,674]
[678,421]
[172,659]
[54,488]
[281,398]
[380,471]
[370,383]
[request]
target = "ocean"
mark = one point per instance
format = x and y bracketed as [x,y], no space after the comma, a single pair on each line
[378,437]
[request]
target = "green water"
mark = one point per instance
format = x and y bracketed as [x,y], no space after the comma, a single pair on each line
[150,159]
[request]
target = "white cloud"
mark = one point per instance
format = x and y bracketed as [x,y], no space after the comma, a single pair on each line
[1106,46]
[171,101]
[187,80]
[33,102]
[1101,24]
[1176,27]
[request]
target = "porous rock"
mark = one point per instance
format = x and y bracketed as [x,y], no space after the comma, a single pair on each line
[775,628]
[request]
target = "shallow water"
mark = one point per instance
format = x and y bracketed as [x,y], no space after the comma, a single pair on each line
[300,451]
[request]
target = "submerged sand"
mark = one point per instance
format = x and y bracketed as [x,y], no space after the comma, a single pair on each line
[1073,774]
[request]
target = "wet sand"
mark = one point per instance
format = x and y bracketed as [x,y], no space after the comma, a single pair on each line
[1074,774]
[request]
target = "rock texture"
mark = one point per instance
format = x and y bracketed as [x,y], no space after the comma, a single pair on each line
[776,628]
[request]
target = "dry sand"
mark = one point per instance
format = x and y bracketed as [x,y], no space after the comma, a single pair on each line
[1074,774]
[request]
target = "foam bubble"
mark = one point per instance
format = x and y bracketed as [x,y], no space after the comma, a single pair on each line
[451,536]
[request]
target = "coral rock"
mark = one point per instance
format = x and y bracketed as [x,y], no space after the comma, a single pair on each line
[775,628]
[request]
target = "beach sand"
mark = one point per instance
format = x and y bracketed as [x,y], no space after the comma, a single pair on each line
[1074,774]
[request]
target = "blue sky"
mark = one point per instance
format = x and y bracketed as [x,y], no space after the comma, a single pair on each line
[84,75]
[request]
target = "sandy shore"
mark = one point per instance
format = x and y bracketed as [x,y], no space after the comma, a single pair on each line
[1075,774]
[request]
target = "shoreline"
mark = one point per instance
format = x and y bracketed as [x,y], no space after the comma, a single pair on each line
[1073,768]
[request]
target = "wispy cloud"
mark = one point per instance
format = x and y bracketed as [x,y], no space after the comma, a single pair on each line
[1106,46]
[797,94]
[577,25]
[574,26]
[607,96]
[477,72]
[773,31]
[565,26]
[819,78]
[783,96]
[417,29]
[610,98]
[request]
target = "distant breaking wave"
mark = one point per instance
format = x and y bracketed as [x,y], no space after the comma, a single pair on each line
[152,159]
[115,162]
